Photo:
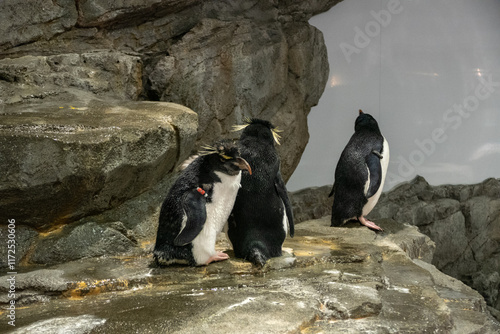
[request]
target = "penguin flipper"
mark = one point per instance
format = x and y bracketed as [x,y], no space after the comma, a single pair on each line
[378,154]
[373,163]
[333,191]
[279,184]
[194,206]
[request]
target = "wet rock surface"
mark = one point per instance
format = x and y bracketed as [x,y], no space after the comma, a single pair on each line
[463,221]
[328,280]
[65,160]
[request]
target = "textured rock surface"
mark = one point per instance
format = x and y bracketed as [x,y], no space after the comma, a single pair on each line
[62,161]
[225,70]
[463,221]
[30,78]
[85,240]
[76,145]
[329,280]
[222,59]
[311,203]
[25,21]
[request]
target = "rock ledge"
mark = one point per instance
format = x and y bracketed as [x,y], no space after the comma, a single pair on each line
[329,280]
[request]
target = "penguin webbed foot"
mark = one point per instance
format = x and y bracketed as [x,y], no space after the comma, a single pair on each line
[162,259]
[370,224]
[219,256]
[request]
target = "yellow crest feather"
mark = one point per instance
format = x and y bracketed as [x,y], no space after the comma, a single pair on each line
[239,127]
[247,120]
[276,135]
[207,149]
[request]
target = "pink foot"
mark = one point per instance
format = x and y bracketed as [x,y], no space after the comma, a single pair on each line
[220,256]
[369,224]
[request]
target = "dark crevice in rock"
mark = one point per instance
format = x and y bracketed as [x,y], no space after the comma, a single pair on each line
[119,18]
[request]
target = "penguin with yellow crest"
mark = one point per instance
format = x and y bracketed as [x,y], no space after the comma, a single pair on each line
[262,213]
[197,207]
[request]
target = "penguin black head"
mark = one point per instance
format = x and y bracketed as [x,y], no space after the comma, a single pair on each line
[365,122]
[224,156]
[260,129]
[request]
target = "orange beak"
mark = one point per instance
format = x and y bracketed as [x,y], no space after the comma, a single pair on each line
[243,164]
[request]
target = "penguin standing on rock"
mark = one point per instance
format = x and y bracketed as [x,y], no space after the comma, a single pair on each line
[262,213]
[360,173]
[198,205]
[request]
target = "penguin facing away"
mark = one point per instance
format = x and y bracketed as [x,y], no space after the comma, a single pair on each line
[262,213]
[197,207]
[360,173]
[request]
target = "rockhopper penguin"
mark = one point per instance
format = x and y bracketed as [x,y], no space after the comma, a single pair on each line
[262,213]
[360,173]
[197,207]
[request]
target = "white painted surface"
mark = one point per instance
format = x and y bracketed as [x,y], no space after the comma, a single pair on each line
[429,74]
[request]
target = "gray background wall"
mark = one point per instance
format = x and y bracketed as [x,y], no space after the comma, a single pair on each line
[428,71]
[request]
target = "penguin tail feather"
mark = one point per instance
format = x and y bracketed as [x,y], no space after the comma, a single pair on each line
[257,257]
[335,221]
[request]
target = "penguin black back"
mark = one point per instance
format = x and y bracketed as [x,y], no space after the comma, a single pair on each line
[262,212]
[359,174]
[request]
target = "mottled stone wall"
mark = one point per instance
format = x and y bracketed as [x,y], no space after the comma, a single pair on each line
[86,157]
[223,59]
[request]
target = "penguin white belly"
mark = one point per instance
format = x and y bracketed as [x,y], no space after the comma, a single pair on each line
[384,163]
[285,219]
[218,210]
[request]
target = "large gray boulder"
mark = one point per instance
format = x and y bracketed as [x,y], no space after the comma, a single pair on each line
[223,59]
[226,70]
[62,161]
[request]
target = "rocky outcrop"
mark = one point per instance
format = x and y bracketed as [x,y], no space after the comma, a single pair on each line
[328,280]
[223,59]
[62,161]
[463,221]
[311,203]
[229,69]
[80,144]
